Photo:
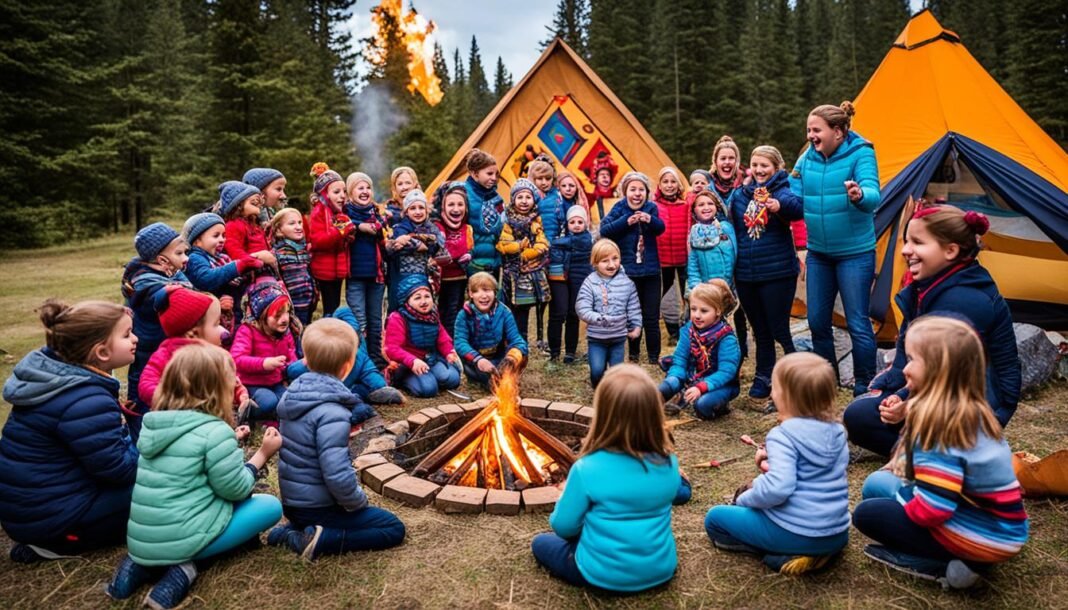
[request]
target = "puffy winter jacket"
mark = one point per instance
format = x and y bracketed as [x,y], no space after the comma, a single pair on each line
[615,227]
[252,346]
[190,473]
[484,209]
[772,256]
[215,274]
[244,237]
[63,443]
[836,226]
[407,342]
[569,255]
[153,373]
[549,207]
[725,362]
[314,468]
[608,306]
[671,244]
[713,250]
[328,241]
[365,256]
[142,286]
[486,335]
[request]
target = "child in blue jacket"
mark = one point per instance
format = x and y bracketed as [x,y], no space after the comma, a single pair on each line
[713,244]
[569,266]
[795,514]
[486,332]
[210,269]
[416,240]
[365,286]
[321,496]
[634,227]
[705,365]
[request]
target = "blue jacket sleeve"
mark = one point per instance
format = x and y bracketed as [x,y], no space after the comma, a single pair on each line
[795,176]
[866,174]
[92,428]
[366,372]
[571,508]
[511,334]
[296,369]
[777,484]
[204,277]
[461,339]
[791,206]
[693,270]
[680,361]
[584,305]
[332,441]
[615,224]
[730,358]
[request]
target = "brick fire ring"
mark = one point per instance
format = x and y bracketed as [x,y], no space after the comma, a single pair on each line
[386,471]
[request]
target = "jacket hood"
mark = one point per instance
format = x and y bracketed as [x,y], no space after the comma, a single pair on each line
[162,428]
[817,441]
[40,377]
[778,180]
[311,390]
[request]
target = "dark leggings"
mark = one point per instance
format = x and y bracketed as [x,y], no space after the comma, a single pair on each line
[522,318]
[667,279]
[102,525]
[742,330]
[767,306]
[562,317]
[649,299]
[541,320]
[884,521]
[866,429]
[450,300]
[331,293]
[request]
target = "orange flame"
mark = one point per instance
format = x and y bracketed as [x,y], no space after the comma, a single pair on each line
[417,35]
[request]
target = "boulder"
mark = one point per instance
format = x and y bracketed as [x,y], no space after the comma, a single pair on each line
[1038,356]
[1061,344]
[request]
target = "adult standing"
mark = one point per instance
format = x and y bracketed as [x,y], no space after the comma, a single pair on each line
[726,177]
[838,178]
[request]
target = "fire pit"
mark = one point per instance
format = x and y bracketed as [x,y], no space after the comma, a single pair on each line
[498,454]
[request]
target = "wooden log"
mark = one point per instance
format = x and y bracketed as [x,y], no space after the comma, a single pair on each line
[491,468]
[512,436]
[461,470]
[463,437]
[548,443]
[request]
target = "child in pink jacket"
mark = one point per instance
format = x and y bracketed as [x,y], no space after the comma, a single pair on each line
[264,346]
[421,356]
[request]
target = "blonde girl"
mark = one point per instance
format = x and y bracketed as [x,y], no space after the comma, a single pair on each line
[402,180]
[606,536]
[959,505]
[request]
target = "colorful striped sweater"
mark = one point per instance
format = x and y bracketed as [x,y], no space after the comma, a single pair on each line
[969,499]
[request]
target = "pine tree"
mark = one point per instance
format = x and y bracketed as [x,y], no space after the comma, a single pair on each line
[1038,63]
[570,23]
[234,60]
[477,86]
[502,80]
[621,51]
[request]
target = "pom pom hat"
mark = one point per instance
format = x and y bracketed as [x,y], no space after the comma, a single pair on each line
[324,177]
[266,298]
[181,309]
[153,239]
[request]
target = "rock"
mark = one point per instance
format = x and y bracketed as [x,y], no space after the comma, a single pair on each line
[1038,356]
[398,428]
[386,442]
[1061,344]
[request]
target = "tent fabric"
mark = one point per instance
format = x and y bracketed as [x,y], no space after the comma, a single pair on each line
[560,98]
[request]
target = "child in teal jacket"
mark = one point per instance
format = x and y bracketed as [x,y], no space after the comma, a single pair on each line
[191,500]
[486,332]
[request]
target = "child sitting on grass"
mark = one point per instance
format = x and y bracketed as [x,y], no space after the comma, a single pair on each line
[605,535]
[192,501]
[608,303]
[705,365]
[321,496]
[486,333]
[421,354]
[264,346]
[959,507]
[795,514]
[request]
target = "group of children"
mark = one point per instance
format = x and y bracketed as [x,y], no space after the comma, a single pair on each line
[219,333]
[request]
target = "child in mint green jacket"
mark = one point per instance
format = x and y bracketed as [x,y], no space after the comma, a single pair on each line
[612,525]
[191,500]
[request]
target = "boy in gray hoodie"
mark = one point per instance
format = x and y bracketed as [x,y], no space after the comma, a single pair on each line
[608,303]
[795,514]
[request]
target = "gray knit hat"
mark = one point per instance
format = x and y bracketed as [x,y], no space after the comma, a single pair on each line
[260,177]
[631,176]
[523,184]
[413,196]
[357,177]
[198,224]
[577,210]
[153,239]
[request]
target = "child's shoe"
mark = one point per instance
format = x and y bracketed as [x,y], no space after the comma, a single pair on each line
[305,543]
[759,392]
[129,577]
[796,565]
[666,362]
[542,347]
[28,553]
[960,576]
[920,567]
[278,535]
[173,587]
[387,395]
[569,358]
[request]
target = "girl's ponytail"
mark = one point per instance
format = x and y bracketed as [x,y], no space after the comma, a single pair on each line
[71,332]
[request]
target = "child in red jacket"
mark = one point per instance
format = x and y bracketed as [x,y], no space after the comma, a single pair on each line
[239,205]
[675,212]
[422,358]
[451,200]
[264,346]
[329,233]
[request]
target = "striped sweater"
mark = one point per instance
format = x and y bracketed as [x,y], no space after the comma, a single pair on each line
[969,499]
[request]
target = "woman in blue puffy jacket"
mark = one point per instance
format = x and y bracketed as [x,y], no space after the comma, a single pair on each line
[67,464]
[838,178]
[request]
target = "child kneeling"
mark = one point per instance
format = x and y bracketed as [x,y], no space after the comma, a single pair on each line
[421,354]
[705,365]
[607,536]
[486,332]
[191,500]
[796,514]
[321,496]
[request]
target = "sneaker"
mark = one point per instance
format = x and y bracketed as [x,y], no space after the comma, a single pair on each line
[542,347]
[761,388]
[278,535]
[920,567]
[735,547]
[666,362]
[173,587]
[795,565]
[305,543]
[769,408]
[28,553]
[387,395]
[129,577]
[960,576]
[569,358]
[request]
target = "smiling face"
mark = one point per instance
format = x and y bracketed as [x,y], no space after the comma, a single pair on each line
[416,212]
[119,349]
[486,177]
[726,163]
[483,298]
[335,194]
[275,193]
[762,167]
[698,183]
[669,184]
[824,139]
[915,369]
[609,265]
[523,202]
[703,314]
[576,224]
[455,206]
[210,328]
[362,194]
[421,301]
[636,194]
[925,255]
[292,227]
[568,187]
[405,182]
[212,240]
[704,209]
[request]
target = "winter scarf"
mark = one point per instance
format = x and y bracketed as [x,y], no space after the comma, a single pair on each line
[703,349]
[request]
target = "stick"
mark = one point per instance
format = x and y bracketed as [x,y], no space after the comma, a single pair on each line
[677,423]
[718,463]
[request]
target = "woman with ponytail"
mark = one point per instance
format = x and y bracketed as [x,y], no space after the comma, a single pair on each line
[941,249]
[838,178]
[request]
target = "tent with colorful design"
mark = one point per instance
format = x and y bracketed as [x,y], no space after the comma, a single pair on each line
[944,129]
[562,108]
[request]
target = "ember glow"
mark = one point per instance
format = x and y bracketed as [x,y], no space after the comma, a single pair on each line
[417,35]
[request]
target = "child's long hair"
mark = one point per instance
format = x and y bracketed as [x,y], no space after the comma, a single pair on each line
[717,293]
[199,377]
[580,192]
[72,331]
[950,406]
[952,225]
[395,176]
[276,222]
[628,416]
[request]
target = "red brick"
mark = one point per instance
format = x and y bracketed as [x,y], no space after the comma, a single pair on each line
[368,460]
[540,499]
[457,499]
[411,490]
[377,476]
[502,502]
[584,415]
[533,407]
[415,420]
[563,410]
[452,412]
[470,408]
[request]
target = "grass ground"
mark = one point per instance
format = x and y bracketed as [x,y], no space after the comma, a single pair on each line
[484,561]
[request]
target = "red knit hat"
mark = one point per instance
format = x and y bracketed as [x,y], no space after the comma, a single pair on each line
[181,309]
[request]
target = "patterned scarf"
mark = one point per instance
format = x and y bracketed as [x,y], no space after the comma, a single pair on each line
[707,235]
[492,204]
[703,349]
[411,314]
[725,186]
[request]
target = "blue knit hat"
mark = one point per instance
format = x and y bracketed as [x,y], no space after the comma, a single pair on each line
[232,193]
[409,285]
[198,224]
[153,239]
[524,185]
[262,295]
[260,177]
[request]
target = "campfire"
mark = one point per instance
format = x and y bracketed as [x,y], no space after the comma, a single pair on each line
[499,448]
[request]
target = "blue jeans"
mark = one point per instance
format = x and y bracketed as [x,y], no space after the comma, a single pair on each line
[477,376]
[752,527]
[710,405]
[602,354]
[683,493]
[881,484]
[441,376]
[367,529]
[250,517]
[557,555]
[852,277]
[364,296]
[866,429]
[267,399]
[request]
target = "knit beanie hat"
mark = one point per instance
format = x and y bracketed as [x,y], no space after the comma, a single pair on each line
[198,224]
[180,309]
[324,177]
[576,210]
[523,185]
[410,284]
[260,177]
[413,196]
[357,177]
[232,194]
[631,177]
[153,239]
[266,297]
[444,189]
[707,175]
[668,170]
